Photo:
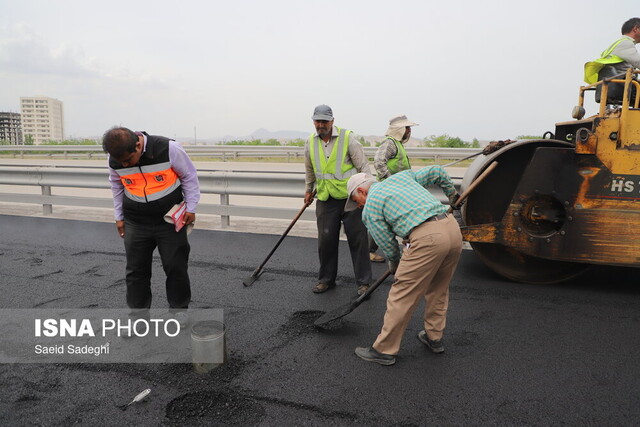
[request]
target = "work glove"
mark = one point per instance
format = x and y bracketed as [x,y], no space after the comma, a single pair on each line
[495,146]
[453,201]
[393,266]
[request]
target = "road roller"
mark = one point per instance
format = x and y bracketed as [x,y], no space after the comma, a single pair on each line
[555,206]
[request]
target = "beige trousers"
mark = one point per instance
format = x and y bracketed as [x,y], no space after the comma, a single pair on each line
[425,270]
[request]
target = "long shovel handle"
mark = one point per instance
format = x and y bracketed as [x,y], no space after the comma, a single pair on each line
[257,271]
[343,310]
[372,288]
[474,184]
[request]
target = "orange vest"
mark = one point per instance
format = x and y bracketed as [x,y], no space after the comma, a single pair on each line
[151,187]
[149,183]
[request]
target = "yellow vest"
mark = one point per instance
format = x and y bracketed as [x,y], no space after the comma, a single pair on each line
[400,161]
[333,173]
[591,69]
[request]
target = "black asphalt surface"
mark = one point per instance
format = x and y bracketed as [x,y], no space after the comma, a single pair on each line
[515,354]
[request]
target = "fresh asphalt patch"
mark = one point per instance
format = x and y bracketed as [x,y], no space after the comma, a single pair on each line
[515,354]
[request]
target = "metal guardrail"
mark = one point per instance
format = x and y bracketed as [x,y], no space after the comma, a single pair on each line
[223,183]
[227,152]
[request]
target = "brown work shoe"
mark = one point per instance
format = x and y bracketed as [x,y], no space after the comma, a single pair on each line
[374,257]
[362,289]
[322,287]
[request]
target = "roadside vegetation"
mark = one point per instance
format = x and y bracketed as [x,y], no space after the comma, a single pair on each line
[445,141]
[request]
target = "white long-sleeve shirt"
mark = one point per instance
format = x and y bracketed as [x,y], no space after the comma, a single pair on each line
[626,50]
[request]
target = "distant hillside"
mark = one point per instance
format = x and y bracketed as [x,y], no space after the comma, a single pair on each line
[264,134]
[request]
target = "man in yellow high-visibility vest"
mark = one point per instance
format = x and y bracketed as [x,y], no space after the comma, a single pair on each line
[616,59]
[332,156]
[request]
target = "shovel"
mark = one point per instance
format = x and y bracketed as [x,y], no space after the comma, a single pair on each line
[337,313]
[258,271]
[343,310]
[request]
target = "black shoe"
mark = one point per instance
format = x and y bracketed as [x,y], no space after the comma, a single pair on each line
[322,287]
[370,354]
[179,315]
[435,346]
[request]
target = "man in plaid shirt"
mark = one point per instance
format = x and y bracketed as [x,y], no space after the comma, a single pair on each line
[402,206]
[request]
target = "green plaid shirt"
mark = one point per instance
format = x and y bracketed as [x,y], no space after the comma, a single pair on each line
[401,202]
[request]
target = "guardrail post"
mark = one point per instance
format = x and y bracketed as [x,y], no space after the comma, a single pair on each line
[225,220]
[65,154]
[46,209]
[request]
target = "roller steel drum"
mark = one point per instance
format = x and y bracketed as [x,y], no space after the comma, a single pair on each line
[488,204]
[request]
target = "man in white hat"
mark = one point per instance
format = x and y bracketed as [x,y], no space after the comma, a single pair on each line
[391,158]
[332,155]
[402,206]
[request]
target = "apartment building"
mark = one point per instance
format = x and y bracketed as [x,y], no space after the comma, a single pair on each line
[10,128]
[42,119]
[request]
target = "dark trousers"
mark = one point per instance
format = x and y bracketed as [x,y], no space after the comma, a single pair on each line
[373,246]
[140,240]
[330,214]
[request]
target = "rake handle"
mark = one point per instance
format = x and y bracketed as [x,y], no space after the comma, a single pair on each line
[293,222]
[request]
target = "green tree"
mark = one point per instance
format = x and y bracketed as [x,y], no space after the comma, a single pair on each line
[528,137]
[447,141]
[298,142]
[72,142]
[28,139]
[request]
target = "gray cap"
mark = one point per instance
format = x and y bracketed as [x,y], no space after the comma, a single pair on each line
[322,112]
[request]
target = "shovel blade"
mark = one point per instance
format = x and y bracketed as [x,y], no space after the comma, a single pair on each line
[250,280]
[335,314]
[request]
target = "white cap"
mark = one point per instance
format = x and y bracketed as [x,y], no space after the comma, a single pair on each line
[354,182]
[401,121]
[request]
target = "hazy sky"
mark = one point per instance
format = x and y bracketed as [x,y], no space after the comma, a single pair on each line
[483,69]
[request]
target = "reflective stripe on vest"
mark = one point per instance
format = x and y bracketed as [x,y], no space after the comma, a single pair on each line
[400,161]
[591,69]
[149,183]
[331,174]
